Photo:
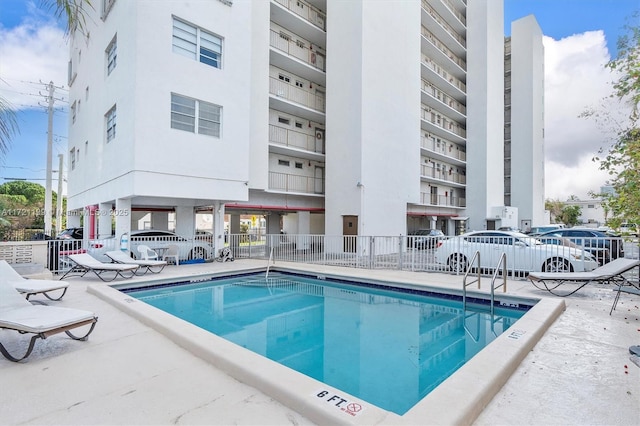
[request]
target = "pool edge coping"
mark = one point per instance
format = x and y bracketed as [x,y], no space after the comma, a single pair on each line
[455,401]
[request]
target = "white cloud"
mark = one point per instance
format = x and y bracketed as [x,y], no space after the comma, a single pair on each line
[33,52]
[575,80]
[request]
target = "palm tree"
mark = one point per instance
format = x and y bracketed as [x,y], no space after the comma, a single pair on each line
[74,13]
[8,126]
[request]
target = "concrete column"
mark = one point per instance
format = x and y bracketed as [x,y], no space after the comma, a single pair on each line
[73,218]
[122,214]
[304,229]
[185,221]
[218,227]
[234,224]
[104,220]
[160,220]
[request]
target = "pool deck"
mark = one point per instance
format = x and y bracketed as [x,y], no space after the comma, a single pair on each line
[128,373]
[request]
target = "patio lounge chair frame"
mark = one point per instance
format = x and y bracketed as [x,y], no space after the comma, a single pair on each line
[609,273]
[18,314]
[30,287]
[153,266]
[85,263]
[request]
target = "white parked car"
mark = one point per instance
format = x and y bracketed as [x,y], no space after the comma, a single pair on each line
[160,240]
[523,253]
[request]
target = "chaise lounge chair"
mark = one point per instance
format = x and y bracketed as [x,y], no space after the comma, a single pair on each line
[610,273]
[153,266]
[85,263]
[17,313]
[30,287]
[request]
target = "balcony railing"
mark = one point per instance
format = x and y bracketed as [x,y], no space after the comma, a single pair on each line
[428,62]
[443,148]
[444,49]
[295,183]
[298,49]
[441,174]
[440,120]
[297,94]
[441,200]
[291,138]
[448,28]
[306,12]
[432,90]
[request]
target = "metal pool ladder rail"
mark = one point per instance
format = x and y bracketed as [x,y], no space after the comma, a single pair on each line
[269,263]
[502,262]
[475,257]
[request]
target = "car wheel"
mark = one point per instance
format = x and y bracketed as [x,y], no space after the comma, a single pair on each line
[458,263]
[557,264]
[198,253]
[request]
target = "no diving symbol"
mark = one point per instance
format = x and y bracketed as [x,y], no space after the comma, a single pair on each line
[353,407]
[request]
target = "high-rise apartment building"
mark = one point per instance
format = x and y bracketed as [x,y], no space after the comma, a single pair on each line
[324,116]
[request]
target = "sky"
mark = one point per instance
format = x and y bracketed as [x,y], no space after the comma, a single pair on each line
[580,36]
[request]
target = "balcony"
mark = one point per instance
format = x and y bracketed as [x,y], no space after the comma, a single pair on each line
[444,150]
[442,79]
[297,55]
[442,200]
[301,18]
[436,98]
[442,29]
[441,125]
[441,175]
[440,53]
[286,182]
[450,13]
[293,99]
[291,142]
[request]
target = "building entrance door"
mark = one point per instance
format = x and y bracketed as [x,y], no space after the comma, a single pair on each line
[350,233]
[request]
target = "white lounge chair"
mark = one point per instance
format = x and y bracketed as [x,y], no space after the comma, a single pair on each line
[30,287]
[85,263]
[611,273]
[16,313]
[153,266]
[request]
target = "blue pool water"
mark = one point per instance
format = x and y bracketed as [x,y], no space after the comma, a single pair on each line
[387,347]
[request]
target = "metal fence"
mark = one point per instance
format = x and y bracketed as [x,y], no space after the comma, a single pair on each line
[429,254]
[408,253]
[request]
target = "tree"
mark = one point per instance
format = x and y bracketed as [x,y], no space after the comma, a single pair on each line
[622,161]
[8,126]
[570,215]
[555,208]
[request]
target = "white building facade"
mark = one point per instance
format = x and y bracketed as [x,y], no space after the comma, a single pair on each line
[323,116]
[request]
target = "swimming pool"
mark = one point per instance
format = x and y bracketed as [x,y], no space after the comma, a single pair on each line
[468,389]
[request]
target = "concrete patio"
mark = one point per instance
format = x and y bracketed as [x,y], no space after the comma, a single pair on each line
[127,373]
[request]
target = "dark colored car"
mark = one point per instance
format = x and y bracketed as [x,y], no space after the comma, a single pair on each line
[604,246]
[70,239]
[425,238]
[70,234]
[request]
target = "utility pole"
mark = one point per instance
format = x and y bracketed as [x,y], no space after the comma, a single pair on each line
[51,89]
[59,204]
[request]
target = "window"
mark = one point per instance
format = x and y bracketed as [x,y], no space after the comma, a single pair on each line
[111,124]
[299,83]
[73,112]
[284,78]
[298,125]
[72,156]
[185,112]
[195,43]
[298,165]
[112,53]
[283,163]
[283,120]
